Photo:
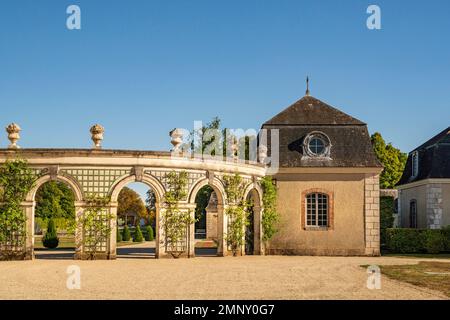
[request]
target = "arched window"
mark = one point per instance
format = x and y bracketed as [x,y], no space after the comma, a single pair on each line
[413,214]
[317,210]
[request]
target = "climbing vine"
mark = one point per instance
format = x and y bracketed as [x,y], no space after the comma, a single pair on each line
[270,215]
[175,221]
[97,225]
[16,180]
[236,211]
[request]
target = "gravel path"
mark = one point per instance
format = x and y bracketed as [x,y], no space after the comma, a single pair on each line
[251,277]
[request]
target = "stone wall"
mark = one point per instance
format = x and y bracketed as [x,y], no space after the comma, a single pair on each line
[372,214]
[434,205]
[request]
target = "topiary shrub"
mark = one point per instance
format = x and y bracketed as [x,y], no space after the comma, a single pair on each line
[149,236]
[404,240]
[434,241]
[126,236]
[119,236]
[50,239]
[137,237]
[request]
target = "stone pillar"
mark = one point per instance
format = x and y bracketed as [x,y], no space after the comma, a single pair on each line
[258,248]
[222,223]
[372,214]
[79,209]
[434,205]
[28,207]
[160,249]
[211,218]
[111,253]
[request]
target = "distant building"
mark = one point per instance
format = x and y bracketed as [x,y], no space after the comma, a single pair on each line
[424,188]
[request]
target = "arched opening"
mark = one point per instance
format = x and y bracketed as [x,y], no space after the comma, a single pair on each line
[54,221]
[252,228]
[206,214]
[136,221]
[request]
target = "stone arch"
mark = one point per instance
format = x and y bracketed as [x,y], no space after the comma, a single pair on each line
[219,190]
[70,181]
[115,189]
[254,191]
[217,186]
[150,181]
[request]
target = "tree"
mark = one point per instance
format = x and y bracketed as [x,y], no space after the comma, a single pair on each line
[150,205]
[201,201]
[126,236]
[55,200]
[16,180]
[96,222]
[137,237]
[270,215]
[149,236]
[236,211]
[130,201]
[50,239]
[391,158]
[175,221]
[118,236]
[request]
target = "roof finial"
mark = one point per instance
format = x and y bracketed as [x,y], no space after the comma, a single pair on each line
[307,86]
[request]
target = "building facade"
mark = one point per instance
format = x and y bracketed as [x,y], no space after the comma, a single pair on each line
[424,188]
[328,182]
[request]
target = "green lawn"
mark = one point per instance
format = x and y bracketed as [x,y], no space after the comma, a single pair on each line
[429,274]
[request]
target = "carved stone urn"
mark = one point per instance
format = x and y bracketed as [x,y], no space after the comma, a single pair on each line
[176,140]
[13,135]
[97,135]
[262,153]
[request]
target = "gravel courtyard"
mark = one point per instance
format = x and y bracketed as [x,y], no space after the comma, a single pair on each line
[251,277]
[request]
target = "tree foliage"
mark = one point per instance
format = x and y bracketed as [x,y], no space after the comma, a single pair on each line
[270,215]
[96,221]
[16,180]
[201,201]
[50,239]
[392,159]
[130,201]
[175,221]
[55,199]
[236,211]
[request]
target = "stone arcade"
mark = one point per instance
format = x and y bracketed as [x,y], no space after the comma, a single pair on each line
[328,186]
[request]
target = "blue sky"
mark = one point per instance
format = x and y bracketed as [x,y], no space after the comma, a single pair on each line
[141,68]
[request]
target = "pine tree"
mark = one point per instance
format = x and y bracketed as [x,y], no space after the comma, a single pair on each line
[50,239]
[126,236]
[138,235]
[149,236]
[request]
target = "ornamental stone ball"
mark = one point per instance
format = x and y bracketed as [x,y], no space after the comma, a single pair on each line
[13,131]
[97,135]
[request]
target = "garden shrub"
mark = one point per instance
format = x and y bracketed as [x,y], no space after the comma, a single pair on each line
[50,239]
[119,236]
[149,236]
[386,216]
[137,237]
[126,235]
[404,240]
[434,241]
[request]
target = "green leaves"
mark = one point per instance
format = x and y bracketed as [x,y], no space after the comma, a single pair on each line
[270,215]
[392,159]
[16,180]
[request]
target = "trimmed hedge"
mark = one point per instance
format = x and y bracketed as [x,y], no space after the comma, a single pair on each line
[126,235]
[149,236]
[50,239]
[137,236]
[402,240]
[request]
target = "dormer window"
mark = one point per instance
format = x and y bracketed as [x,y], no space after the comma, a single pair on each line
[316,145]
[415,164]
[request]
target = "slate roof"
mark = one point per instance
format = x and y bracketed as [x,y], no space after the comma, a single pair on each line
[349,137]
[434,159]
[311,111]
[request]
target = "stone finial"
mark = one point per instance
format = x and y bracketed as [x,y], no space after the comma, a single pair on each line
[13,135]
[262,153]
[97,135]
[176,140]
